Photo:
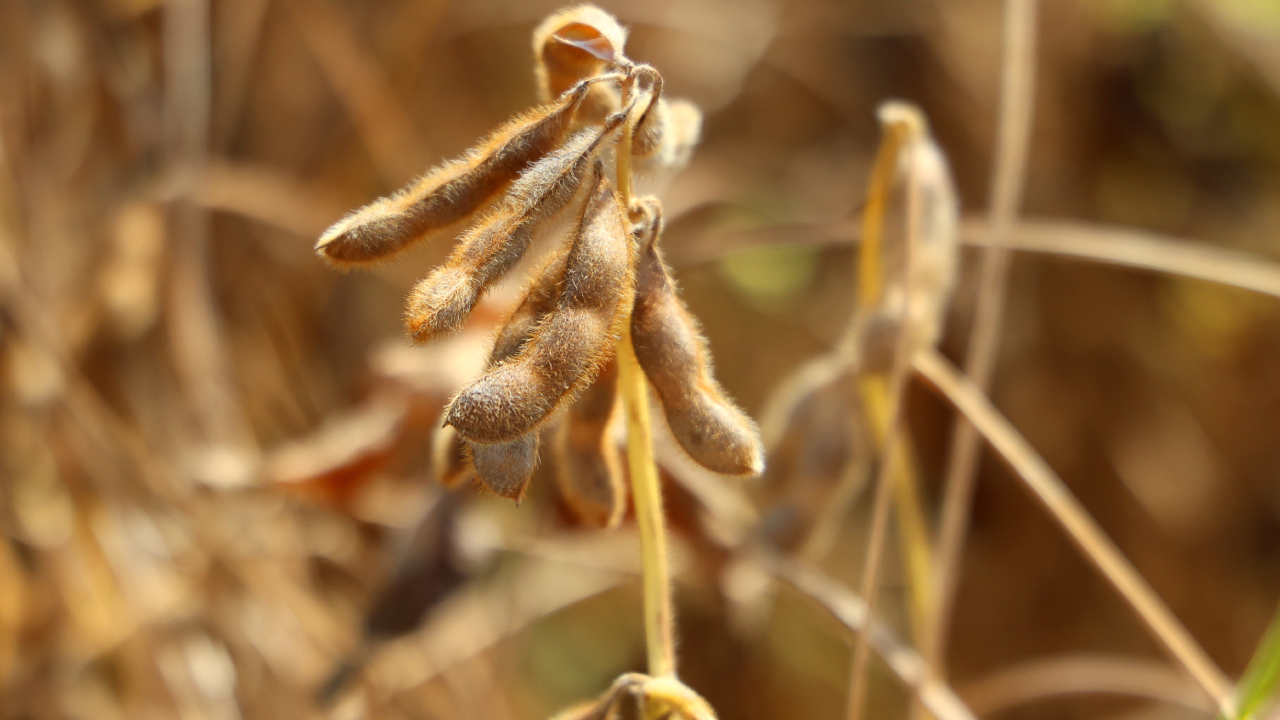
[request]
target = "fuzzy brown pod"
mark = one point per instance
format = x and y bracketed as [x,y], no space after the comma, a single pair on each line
[440,304]
[507,468]
[674,356]
[681,123]
[427,573]
[454,191]
[571,344]
[539,298]
[575,44]
[651,127]
[588,465]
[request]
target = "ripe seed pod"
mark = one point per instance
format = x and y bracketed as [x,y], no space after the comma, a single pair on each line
[454,191]
[588,467]
[441,303]
[575,44]
[506,468]
[809,453]
[673,354]
[539,299]
[571,343]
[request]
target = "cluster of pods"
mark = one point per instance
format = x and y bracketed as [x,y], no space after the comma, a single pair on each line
[553,357]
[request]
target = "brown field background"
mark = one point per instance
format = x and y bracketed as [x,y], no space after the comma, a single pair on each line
[214,449]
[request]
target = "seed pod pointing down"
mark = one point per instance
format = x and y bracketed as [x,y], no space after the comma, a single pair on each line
[673,354]
[455,190]
[571,344]
[506,468]
[539,299]
[441,303]
[588,467]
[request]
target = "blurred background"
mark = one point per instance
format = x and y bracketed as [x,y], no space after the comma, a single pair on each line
[214,450]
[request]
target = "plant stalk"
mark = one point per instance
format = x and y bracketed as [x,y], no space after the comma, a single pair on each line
[646,492]
[647,495]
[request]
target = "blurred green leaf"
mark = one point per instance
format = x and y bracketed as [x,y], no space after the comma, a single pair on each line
[1261,681]
[770,277]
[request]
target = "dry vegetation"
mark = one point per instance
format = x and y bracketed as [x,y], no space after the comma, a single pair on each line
[222,482]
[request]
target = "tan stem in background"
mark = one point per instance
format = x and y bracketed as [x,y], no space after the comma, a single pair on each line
[1017,105]
[197,341]
[1049,488]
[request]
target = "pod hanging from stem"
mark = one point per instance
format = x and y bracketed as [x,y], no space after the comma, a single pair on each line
[570,344]
[454,191]
[674,355]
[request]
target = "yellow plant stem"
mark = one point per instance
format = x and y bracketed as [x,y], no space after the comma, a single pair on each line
[870,267]
[883,399]
[875,390]
[912,532]
[646,492]
[624,150]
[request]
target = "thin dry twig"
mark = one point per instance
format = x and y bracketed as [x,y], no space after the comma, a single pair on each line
[1096,242]
[1131,247]
[851,610]
[886,476]
[1083,674]
[237,38]
[1080,526]
[267,196]
[1017,105]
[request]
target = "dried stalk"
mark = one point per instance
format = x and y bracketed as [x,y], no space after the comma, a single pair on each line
[1017,104]
[1083,674]
[936,696]
[1144,250]
[1082,528]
